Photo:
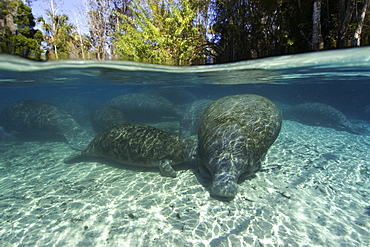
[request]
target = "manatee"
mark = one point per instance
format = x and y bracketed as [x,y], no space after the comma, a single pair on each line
[319,114]
[145,108]
[79,108]
[42,118]
[175,94]
[105,117]
[234,135]
[140,145]
[190,120]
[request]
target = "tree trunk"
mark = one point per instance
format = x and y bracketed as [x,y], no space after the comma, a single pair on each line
[345,15]
[357,36]
[316,41]
[52,15]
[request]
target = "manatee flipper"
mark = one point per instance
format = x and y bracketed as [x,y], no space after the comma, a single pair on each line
[165,166]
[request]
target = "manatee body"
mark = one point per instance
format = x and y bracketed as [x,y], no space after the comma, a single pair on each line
[176,95]
[140,145]
[235,133]
[145,108]
[105,117]
[319,114]
[190,120]
[43,118]
[78,108]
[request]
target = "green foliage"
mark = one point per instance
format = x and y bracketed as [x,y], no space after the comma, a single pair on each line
[161,32]
[248,29]
[19,36]
[59,33]
[175,31]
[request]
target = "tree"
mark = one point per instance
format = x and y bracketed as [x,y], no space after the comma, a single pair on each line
[360,23]
[103,23]
[59,34]
[346,9]
[18,35]
[161,32]
[248,29]
[317,42]
[58,31]
[79,45]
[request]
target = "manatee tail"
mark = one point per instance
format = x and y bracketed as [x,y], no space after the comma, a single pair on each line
[355,129]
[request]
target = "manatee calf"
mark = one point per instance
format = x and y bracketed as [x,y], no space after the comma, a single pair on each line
[319,114]
[235,133]
[43,118]
[140,145]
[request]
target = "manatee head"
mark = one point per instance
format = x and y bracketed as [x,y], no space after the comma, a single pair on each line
[224,185]
[226,169]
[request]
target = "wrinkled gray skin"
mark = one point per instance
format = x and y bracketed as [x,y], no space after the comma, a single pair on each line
[43,118]
[140,145]
[235,133]
[319,114]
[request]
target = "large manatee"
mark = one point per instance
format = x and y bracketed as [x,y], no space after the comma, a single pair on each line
[42,118]
[140,145]
[235,133]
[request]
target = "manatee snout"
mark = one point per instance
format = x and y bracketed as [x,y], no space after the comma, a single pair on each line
[224,185]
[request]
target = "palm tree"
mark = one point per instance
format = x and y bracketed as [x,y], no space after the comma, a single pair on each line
[58,32]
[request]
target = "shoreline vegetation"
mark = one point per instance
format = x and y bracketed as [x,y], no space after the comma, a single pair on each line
[183,32]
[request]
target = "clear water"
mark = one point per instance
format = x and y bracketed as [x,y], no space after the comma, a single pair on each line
[314,177]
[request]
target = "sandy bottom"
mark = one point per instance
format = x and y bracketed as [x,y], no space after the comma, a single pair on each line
[314,190]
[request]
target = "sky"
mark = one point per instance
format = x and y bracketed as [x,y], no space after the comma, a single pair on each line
[69,7]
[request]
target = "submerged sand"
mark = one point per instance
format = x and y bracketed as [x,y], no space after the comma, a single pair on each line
[314,190]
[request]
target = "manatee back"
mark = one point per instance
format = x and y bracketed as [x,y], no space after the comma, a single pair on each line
[39,117]
[138,144]
[145,108]
[33,116]
[243,125]
[318,114]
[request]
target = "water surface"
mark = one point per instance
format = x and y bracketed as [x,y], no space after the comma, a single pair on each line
[314,187]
